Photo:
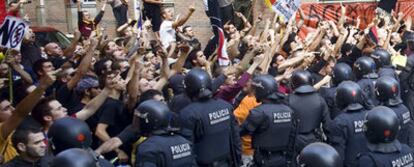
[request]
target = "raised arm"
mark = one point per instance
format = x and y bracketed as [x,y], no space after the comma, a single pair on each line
[11,61]
[93,105]
[183,20]
[84,65]
[27,104]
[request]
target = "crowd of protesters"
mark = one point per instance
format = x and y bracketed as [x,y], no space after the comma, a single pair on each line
[104,102]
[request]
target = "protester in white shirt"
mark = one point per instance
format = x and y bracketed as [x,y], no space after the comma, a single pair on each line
[168,26]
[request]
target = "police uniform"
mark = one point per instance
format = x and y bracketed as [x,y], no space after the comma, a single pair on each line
[329,95]
[367,84]
[381,129]
[264,123]
[310,111]
[211,126]
[162,148]
[346,135]
[166,150]
[406,134]
[391,155]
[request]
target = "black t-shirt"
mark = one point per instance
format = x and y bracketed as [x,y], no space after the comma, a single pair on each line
[68,98]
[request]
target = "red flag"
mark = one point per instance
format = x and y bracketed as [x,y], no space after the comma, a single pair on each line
[223,57]
[3,11]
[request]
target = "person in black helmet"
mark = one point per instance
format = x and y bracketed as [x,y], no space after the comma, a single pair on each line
[388,91]
[67,133]
[209,123]
[318,155]
[364,69]
[74,157]
[381,130]
[341,72]
[407,74]
[162,147]
[271,118]
[345,133]
[310,110]
[382,59]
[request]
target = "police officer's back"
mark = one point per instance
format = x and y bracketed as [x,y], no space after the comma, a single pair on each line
[67,133]
[364,69]
[382,60]
[346,131]
[319,155]
[382,126]
[310,110]
[407,74]
[209,123]
[341,72]
[162,148]
[388,91]
[270,124]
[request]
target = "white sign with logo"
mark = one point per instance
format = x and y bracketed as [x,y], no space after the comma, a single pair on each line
[12,32]
[287,8]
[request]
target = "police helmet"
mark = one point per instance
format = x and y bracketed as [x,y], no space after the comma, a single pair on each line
[381,125]
[301,79]
[265,87]
[198,84]
[363,66]
[349,96]
[68,133]
[388,90]
[342,72]
[74,157]
[154,116]
[319,154]
[381,57]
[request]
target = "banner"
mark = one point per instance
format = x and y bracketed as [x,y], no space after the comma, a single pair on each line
[317,12]
[364,10]
[12,32]
[286,8]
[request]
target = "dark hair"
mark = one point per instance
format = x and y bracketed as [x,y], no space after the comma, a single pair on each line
[100,66]
[185,27]
[102,78]
[21,135]
[346,48]
[42,109]
[149,94]
[38,65]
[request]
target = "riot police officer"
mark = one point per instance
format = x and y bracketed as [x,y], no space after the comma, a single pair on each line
[346,131]
[271,118]
[382,126]
[407,74]
[382,59]
[69,133]
[74,157]
[310,110]
[319,155]
[341,72]
[162,147]
[364,69]
[388,91]
[209,123]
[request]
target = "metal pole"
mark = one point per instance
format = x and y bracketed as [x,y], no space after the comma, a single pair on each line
[41,13]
